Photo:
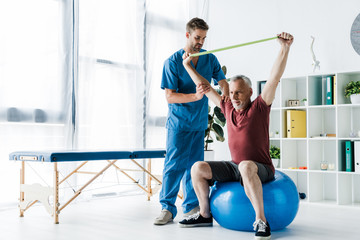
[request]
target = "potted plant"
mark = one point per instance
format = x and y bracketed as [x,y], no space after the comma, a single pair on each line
[352,90]
[275,155]
[277,134]
[304,100]
[216,122]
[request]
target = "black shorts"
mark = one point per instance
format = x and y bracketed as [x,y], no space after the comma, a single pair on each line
[228,171]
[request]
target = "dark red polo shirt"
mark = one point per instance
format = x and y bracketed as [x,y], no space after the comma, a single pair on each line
[248,132]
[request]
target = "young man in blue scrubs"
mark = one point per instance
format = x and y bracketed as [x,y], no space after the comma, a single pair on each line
[187,120]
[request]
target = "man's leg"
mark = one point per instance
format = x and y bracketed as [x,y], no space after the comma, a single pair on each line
[202,191]
[201,174]
[196,145]
[174,168]
[253,187]
[253,175]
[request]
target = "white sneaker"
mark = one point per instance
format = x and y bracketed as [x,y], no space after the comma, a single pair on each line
[192,212]
[164,218]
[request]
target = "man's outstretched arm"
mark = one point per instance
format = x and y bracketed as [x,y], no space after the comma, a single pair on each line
[268,94]
[200,81]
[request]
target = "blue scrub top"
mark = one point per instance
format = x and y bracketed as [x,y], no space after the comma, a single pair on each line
[192,116]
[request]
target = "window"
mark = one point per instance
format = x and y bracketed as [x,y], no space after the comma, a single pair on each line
[34,75]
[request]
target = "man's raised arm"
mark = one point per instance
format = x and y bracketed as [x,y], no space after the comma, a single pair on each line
[200,81]
[268,94]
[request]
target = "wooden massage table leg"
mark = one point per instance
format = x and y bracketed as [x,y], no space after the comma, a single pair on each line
[56,194]
[149,190]
[22,181]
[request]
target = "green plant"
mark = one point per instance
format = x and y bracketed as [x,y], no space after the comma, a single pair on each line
[304,99]
[274,152]
[352,88]
[216,122]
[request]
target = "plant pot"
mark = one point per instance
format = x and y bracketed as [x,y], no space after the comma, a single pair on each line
[355,98]
[275,162]
[209,155]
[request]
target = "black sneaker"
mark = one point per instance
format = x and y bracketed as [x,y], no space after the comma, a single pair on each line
[262,230]
[196,220]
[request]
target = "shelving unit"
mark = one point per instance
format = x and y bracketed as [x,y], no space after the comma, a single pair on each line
[334,185]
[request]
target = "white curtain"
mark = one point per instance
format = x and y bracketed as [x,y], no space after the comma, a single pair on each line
[110,86]
[165,34]
[72,76]
[35,79]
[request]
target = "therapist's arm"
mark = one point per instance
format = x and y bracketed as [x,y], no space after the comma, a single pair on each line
[224,87]
[173,97]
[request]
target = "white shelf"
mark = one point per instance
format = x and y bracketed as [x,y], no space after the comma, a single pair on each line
[293,139]
[321,106]
[349,173]
[291,170]
[348,105]
[323,171]
[330,187]
[292,108]
[322,139]
[350,139]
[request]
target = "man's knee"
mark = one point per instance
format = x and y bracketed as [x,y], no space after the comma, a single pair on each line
[248,168]
[201,169]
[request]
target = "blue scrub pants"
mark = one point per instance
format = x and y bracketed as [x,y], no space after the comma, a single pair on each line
[183,149]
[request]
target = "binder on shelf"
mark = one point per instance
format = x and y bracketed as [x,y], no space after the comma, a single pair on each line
[329,90]
[349,160]
[296,123]
[323,88]
[357,156]
[261,85]
[334,90]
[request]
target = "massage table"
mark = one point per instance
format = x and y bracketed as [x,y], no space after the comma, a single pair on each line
[30,194]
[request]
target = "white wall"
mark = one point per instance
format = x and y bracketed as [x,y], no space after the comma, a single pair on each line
[236,21]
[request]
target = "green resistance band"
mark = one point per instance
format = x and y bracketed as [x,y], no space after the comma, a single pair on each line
[234,46]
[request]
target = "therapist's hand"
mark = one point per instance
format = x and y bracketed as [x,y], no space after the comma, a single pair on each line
[225,98]
[201,89]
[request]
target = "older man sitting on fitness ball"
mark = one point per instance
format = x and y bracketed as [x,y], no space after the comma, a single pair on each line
[248,130]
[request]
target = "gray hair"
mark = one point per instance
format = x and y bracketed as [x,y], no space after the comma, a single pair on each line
[244,78]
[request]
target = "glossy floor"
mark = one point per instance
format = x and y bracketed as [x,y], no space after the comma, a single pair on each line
[131,217]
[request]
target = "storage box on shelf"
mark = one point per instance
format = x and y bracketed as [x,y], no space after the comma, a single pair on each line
[316,163]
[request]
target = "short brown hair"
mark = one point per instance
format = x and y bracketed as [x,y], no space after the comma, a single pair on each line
[196,23]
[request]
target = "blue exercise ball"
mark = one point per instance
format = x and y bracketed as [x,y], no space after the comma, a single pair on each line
[232,209]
